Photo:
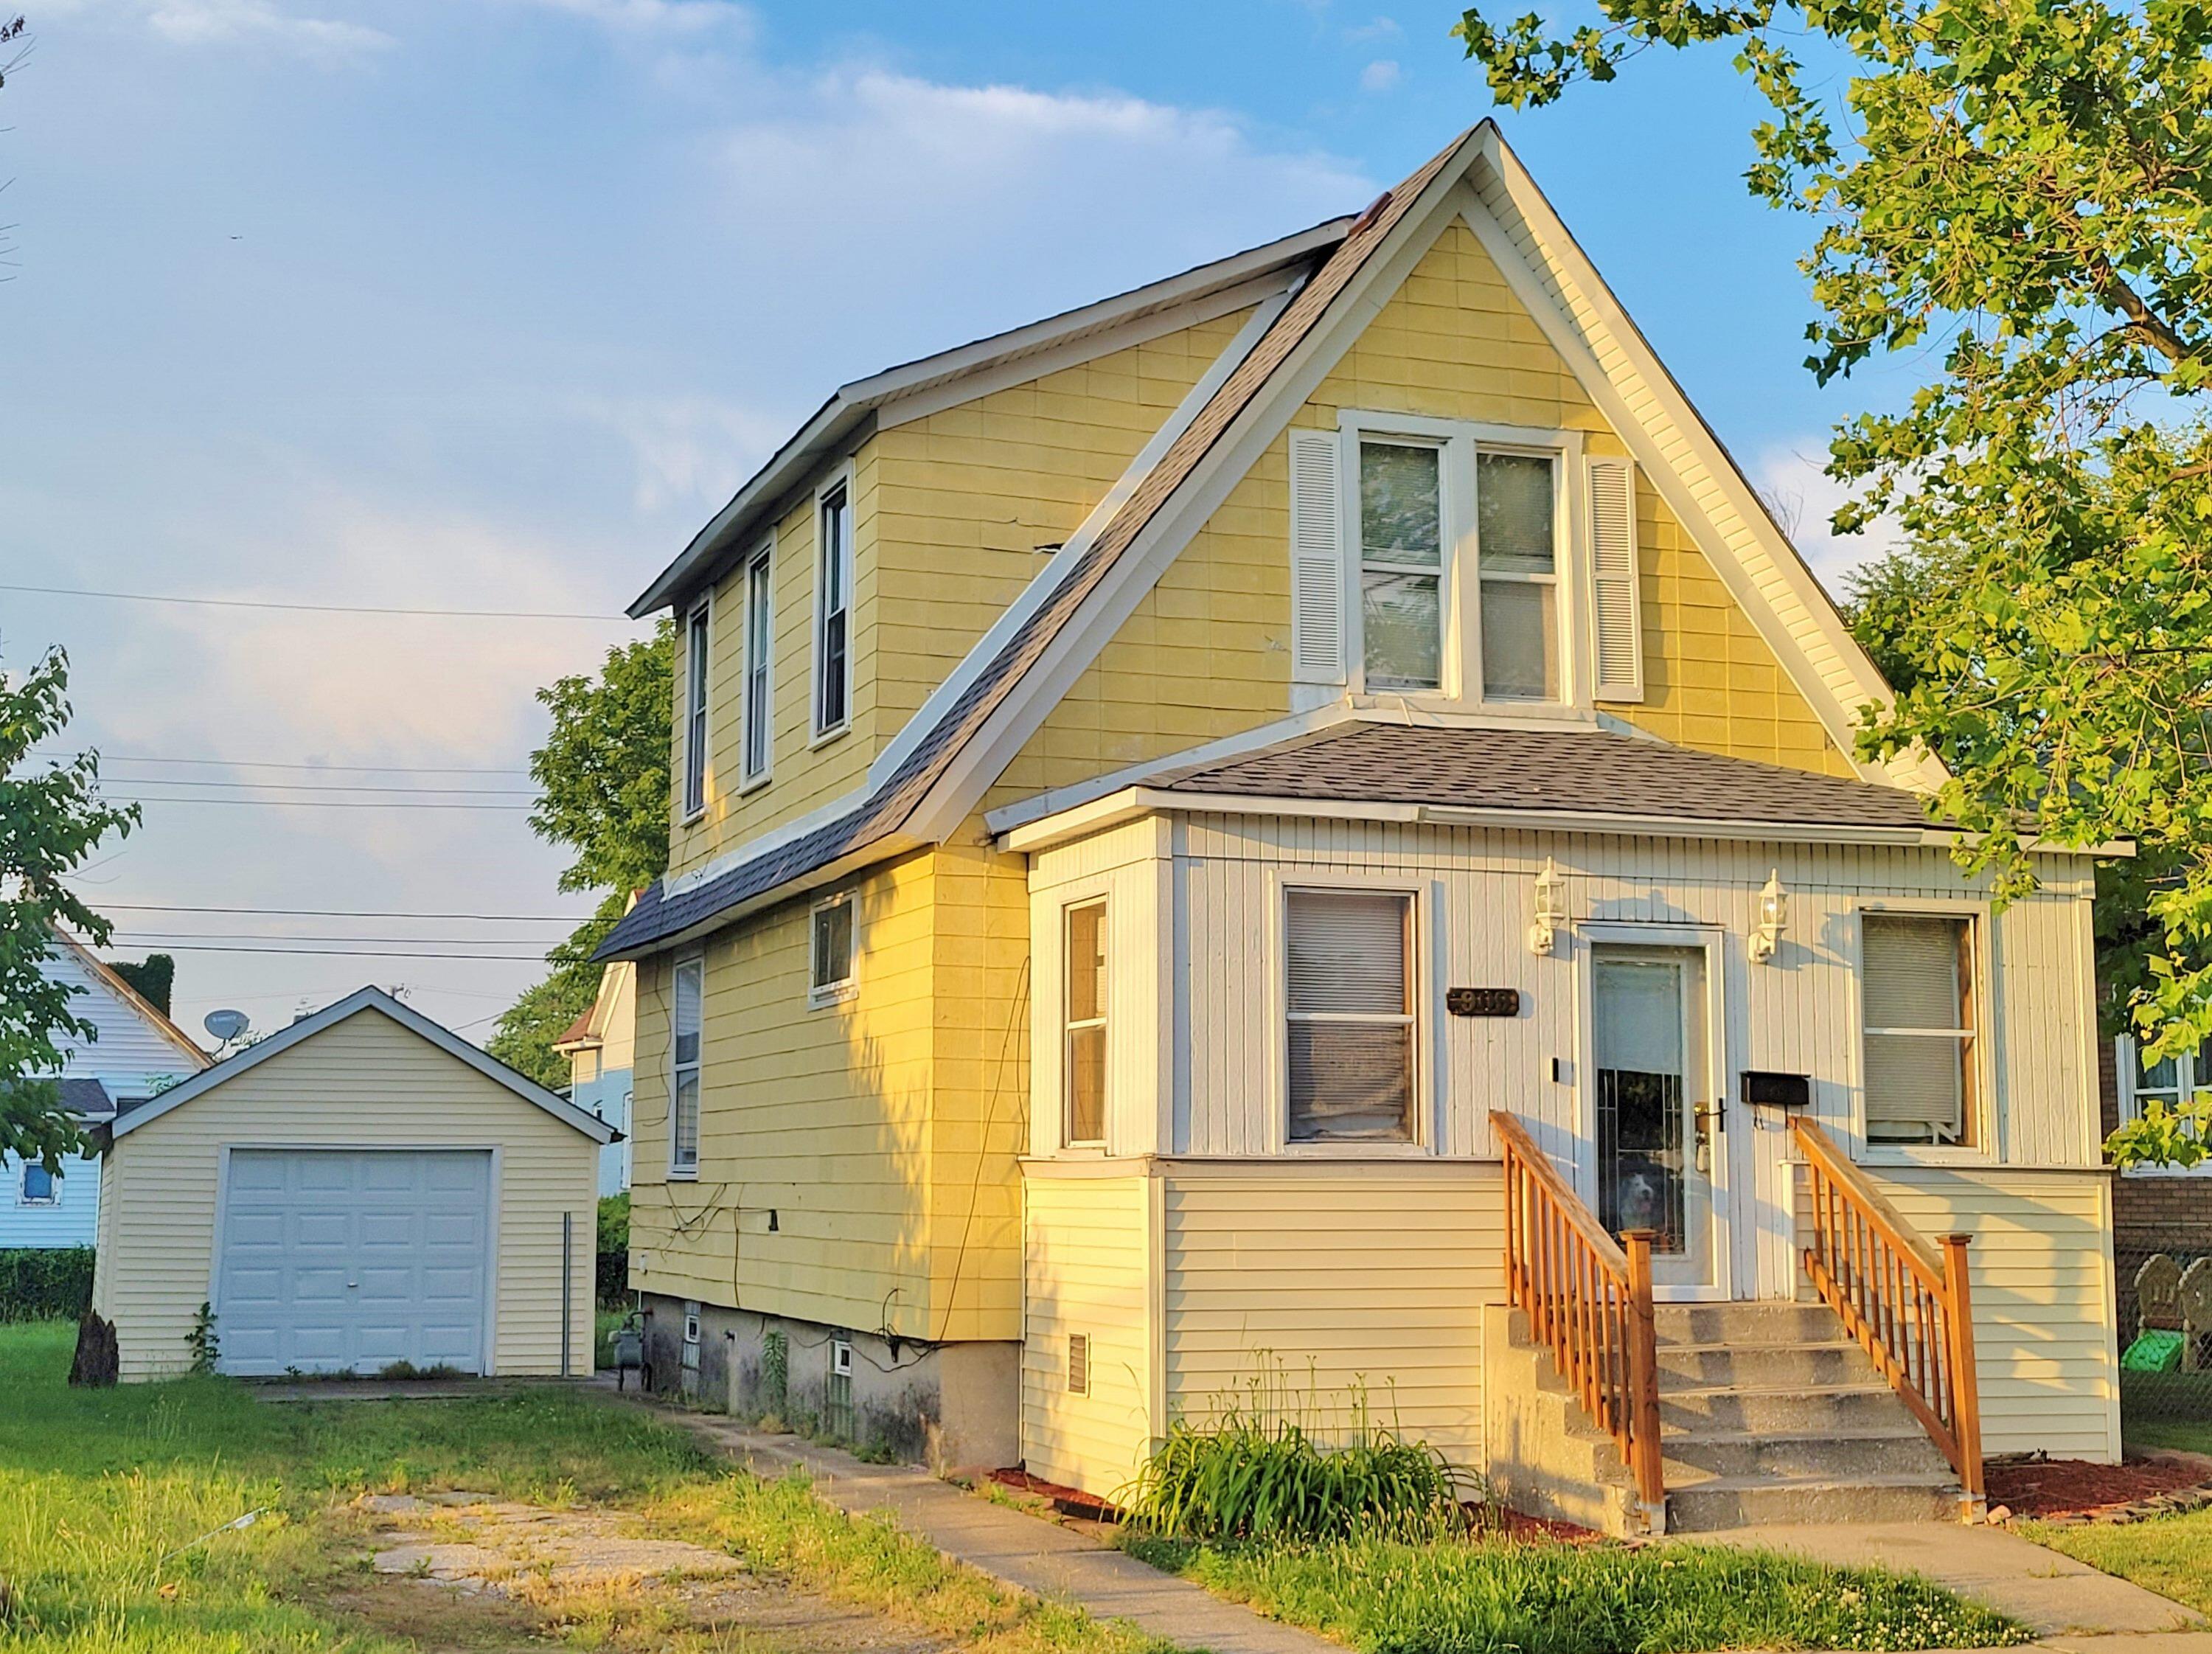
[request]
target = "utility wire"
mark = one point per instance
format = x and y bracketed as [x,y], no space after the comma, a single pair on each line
[312,787]
[355,913]
[162,938]
[331,804]
[315,608]
[315,769]
[351,952]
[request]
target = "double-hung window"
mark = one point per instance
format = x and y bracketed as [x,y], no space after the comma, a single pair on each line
[695,637]
[1349,998]
[1084,1063]
[1916,994]
[2179,1081]
[684,1078]
[830,976]
[1517,560]
[1402,563]
[833,601]
[759,643]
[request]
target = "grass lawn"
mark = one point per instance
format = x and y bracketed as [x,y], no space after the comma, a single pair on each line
[103,1494]
[1508,1596]
[2171,1555]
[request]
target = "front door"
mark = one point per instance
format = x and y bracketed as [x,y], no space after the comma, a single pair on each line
[1662,1162]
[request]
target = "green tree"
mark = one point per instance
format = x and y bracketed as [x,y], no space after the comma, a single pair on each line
[50,819]
[603,791]
[2013,190]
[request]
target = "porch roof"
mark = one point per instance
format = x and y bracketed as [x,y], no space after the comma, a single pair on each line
[1551,771]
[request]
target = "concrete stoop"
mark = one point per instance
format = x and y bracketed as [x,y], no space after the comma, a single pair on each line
[1768,1414]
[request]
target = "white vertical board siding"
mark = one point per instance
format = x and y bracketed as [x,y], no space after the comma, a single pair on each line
[1087,1269]
[367,1083]
[2040,1265]
[1319,1280]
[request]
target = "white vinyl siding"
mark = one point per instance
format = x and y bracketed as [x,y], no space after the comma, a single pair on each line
[1087,1275]
[695,651]
[1917,999]
[684,1079]
[1348,967]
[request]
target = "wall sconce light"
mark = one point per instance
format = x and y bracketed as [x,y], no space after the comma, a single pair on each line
[1551,908]
[1773,919]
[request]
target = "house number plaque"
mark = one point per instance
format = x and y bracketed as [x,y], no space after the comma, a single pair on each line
[1483,1001]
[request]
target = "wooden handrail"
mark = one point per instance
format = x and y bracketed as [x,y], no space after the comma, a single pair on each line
[1588,1298]
[1908,1303]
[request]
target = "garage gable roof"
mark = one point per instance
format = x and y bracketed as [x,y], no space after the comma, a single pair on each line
[370,999]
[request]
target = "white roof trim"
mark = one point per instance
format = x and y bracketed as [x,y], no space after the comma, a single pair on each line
[852,403]
[360,999]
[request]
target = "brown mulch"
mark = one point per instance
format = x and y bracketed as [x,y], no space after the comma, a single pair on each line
[2075,1488]
[1069,1501]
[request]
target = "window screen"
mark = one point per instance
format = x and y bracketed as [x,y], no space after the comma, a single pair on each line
[1350,1001]
[1086,1064]
[1917,1000]
[683,1093]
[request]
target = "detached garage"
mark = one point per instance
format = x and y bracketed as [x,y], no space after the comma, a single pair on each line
[365,1188]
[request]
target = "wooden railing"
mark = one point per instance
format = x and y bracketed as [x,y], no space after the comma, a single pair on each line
[1906,1303]
[1588,1298]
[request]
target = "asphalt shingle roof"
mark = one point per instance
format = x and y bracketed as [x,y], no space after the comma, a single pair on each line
[1577,771]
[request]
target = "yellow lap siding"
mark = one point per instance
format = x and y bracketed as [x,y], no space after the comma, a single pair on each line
[362,1083]
[1088,1272]
[2040,1264]
[1334,1278]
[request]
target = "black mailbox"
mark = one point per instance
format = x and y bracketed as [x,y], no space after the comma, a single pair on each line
[1763,1089]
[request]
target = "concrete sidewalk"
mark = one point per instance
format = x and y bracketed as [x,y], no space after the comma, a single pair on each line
[1014,1549]
[2069,1604]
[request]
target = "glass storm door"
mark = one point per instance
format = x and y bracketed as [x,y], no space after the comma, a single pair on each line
[1657,1153]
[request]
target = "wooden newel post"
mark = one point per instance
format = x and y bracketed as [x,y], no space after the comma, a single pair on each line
[1644,1457]
[1966,1393]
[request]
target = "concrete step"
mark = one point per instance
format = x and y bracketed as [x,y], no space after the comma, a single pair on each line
[1745,1323]
[1745,1501]
[1786,1409]
[1764,1366]
[1835,1456]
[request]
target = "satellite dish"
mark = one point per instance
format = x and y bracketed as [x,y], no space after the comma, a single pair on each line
[225,1025]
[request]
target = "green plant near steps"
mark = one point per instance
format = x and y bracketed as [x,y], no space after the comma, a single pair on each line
[1269,1468]
[202,1341]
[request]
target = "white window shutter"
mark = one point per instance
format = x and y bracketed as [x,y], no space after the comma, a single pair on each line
[1316,558]
[1616,613]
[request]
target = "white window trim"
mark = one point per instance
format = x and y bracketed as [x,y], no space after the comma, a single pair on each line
[839,992]
[53,1198]
[1987,1114]
[1461,590]
[763,555]
[1104,1021]
[695,774]
[1426,1066]
[823,734]
[2187,1083]
[683,1173]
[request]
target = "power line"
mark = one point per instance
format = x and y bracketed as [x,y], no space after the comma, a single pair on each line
[313,787]
[355,913]
[313,769]
[314,608]
[349,952]
[331,804]
[162,938]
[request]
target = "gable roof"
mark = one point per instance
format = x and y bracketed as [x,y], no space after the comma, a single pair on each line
[850,406]
[373,999]
[904,808]
[154,1019]
[1550,771]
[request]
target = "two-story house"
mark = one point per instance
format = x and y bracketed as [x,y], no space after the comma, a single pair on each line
[1304,814]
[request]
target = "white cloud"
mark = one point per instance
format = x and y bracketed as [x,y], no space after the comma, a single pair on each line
[1378,29]
[1790,477]
[660,16]
[692,452]
[224,22]
[1379,76]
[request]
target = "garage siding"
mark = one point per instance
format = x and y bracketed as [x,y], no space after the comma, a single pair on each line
[364,1082]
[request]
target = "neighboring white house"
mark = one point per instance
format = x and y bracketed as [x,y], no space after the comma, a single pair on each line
[599,1046]
[364,1189]
[137,1050]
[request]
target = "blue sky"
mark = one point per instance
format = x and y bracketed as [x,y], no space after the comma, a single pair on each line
[488,303]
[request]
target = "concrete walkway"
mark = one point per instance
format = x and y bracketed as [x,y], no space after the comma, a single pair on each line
[1014,1549]
[2069,1604]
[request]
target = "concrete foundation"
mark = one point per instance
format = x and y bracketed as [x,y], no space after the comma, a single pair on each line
[948,1406]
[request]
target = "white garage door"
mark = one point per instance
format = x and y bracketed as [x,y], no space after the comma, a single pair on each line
[349,1260]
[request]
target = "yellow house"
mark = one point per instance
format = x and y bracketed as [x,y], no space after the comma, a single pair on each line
[1303,820]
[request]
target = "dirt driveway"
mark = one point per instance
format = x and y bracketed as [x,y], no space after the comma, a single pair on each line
[463,1572]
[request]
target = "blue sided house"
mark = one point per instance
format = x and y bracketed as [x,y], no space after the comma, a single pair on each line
[138,1051]
[599,1046]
